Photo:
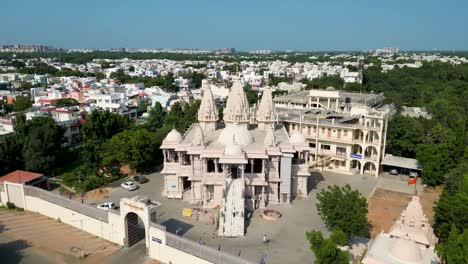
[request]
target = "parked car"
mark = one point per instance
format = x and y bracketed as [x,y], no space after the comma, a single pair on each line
[413,174]
[106,206]
[140,179]
[129,185]
[394,172]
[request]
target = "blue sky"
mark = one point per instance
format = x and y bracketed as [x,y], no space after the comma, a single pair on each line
[245,25]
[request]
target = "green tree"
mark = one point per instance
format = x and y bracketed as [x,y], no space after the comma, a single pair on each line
[451,209]
[101,125]
[63,102]
[455,249]
[345,209]
[403,136]
[155,118]
[326,251]
[22,103]
[131,68]
[324,82]
[42,147]
[11,157]
[135,148]
[339,237]
[252,96]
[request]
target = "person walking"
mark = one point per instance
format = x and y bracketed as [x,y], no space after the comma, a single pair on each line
[265,240]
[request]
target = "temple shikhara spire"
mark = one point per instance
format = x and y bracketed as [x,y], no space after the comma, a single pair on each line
[237,107]
[208,113]
[410,240]
[266,114]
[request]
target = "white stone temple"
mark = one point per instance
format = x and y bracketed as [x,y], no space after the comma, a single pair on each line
[410,240]
[245,163]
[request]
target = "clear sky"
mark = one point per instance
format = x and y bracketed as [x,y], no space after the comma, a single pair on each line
[242,24]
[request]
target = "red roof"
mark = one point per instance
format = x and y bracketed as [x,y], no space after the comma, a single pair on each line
[20,176]
[47,100]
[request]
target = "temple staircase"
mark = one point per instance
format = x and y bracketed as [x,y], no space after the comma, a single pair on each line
[231,220]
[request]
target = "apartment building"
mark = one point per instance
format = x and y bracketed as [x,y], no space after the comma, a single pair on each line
[68,118]
[114,102]
[346,132]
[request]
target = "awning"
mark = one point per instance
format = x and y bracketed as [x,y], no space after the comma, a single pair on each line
[401,162]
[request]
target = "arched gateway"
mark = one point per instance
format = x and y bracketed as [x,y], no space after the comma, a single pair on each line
[136,214]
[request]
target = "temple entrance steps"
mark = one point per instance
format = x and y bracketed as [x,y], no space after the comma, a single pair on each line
[231,222]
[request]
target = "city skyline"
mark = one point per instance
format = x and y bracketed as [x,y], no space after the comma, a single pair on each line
[273,25]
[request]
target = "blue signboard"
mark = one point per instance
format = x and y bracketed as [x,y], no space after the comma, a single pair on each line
[356,156]
[173,186]
[155,239]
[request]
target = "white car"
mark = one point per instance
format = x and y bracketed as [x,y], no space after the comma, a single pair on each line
[131,186]
[106,206]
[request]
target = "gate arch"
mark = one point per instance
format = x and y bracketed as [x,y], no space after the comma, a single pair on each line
[135,229]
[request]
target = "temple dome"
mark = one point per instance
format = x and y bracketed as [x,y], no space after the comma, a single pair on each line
[233,149]
[173,137]
[239,133]
[297,138]
[405,250]
[330,88]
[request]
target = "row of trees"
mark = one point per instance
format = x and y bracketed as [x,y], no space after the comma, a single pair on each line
[451,218]
[111,141]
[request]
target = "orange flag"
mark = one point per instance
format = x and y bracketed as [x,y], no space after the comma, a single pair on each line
[412,181]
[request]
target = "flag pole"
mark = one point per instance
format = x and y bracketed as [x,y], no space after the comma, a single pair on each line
[415,183]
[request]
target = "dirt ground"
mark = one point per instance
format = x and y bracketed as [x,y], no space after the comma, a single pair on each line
[62,242]
[386,206]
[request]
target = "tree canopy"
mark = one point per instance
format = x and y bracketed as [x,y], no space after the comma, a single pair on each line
[62,102]
[326,250]
[344,209]
[136,148]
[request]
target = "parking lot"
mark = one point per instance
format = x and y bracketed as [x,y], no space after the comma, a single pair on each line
[287,235]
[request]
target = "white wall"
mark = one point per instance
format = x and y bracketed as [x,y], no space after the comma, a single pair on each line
[112,231]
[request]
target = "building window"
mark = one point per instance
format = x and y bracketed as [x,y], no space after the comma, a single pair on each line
[345,133]
[210,166]
[312,145]
[257,166]
[341,151]
[187,159]
[325,147]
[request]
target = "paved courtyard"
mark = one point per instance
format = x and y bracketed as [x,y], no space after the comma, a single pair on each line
[288,243]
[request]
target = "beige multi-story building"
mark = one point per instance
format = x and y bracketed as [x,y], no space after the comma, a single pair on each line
[246,163]
[346,132]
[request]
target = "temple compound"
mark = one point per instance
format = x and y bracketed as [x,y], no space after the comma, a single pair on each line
[246,163]
[410,240]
